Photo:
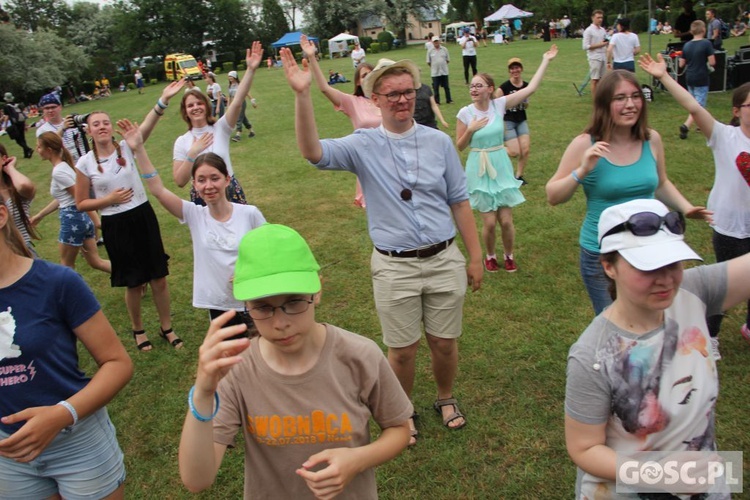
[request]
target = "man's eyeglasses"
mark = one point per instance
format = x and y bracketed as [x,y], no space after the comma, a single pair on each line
[649,223]
[622,98]
[409,94]
[290,308]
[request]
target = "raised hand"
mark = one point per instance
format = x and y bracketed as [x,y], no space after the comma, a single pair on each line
[254,56]
[299,79]
[551,53]
[657,68]
[131,133]
[308,47]
[171,90]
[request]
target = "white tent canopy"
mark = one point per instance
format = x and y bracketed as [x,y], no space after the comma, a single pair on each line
[340,43]
[507,11]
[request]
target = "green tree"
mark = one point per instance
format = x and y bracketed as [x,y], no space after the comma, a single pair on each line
[327,18]
[32,15]
[231,28]
[35,62]
[272,23]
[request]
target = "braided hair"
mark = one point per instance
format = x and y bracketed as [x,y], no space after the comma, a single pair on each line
[120,160]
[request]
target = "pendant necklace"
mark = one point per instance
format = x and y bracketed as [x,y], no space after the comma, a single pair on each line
[406,192]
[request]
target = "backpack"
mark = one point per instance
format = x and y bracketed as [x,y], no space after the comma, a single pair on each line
[15,113]
[724,30]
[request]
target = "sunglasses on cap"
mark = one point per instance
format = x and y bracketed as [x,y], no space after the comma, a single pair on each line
[649,223]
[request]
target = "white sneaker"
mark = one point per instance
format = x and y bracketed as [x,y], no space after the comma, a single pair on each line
[236,138]
[715,348]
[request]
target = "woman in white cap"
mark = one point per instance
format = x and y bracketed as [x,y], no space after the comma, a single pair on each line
[642,376]
[207,135]
[360,110]
[234,84]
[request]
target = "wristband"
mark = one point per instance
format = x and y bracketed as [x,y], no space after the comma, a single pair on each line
[191,160]
[161,104]
[150,175]
[158,113]
[253,101]
[575,176]
[195,413]
[73,412]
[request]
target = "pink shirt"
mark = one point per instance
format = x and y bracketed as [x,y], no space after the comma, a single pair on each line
[361,112]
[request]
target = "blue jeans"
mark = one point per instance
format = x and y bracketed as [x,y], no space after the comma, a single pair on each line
[700,94]
[595,280]
[727,248]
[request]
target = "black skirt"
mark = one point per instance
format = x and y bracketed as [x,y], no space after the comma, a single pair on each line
[133,242]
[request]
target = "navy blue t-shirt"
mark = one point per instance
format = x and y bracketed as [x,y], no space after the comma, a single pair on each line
[38,356]
[696,53]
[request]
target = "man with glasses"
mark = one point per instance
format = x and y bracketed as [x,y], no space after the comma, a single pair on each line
[73,136]
[415,187]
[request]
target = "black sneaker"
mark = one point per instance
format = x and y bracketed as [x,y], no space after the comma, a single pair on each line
[251,134]
[683,131]
[523,181]
[100,242]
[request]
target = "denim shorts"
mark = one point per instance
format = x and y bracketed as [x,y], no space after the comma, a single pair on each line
[595,280]
[81,463]
[700,94]
[514,129]
[75,227]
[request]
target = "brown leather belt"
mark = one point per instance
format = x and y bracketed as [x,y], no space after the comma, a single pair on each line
[421,253]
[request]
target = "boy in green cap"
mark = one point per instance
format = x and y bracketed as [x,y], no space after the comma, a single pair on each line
[302,392]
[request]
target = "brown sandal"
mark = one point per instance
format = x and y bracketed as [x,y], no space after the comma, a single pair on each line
[455,415]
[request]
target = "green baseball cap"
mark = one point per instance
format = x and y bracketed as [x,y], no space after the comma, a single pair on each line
[274,260]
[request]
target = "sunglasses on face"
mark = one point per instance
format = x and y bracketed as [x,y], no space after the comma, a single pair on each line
[649,223]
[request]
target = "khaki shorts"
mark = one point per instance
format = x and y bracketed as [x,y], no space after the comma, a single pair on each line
[597,69]
[412,291]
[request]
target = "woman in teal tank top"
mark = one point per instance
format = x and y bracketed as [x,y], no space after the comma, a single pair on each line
[617,158]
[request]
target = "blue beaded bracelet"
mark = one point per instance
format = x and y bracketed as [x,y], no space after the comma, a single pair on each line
[195,413]
[575,176]
[150,175]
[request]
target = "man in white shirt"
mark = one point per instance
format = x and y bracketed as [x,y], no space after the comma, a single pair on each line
[595,45]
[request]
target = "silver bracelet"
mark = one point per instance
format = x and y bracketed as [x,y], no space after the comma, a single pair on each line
[72,411]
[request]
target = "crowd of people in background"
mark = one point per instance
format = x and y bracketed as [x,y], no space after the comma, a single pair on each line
[266,352]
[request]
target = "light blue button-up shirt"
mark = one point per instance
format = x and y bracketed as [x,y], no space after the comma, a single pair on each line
[423,160]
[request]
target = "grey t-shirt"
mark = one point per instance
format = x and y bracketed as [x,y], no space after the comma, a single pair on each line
[654,391]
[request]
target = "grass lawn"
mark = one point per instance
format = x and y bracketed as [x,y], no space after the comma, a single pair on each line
[517,328]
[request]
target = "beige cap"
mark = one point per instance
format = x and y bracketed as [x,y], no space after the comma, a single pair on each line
[385,65]
[515,60]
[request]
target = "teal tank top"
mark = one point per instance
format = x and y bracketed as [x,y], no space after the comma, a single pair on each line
[610,184]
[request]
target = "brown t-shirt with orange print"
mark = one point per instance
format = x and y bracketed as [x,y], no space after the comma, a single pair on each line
[286,419]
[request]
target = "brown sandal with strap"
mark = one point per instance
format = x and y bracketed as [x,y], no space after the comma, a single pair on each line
[455,415]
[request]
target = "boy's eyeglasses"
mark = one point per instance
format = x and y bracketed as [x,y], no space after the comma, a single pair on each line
[290,308]
[649,223]
[409,94]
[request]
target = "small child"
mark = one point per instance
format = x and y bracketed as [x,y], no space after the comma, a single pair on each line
[302,392]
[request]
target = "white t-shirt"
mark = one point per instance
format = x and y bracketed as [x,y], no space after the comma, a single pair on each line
[623,45]
[495,109]
[112,177]
[730,196]
[591,36]
[358,56]
[222,134]
[63,177]
[215,247]
[213,91]
[470,47]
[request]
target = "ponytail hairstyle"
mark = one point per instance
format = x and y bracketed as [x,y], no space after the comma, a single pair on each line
[53,142]
[17,200]
[120,160]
